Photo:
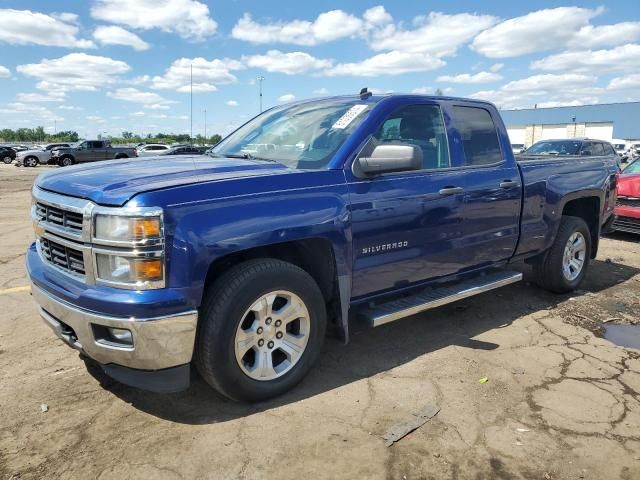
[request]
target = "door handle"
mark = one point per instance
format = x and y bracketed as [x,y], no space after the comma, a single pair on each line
[451,190]
[508,184]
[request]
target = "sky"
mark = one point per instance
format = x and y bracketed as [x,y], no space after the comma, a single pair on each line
[108,66]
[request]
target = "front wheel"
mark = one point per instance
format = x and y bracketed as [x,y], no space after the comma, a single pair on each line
[564,265]
[30,162]
[262,325]
[7,159]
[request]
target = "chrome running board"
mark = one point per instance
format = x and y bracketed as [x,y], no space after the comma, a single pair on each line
[436,297]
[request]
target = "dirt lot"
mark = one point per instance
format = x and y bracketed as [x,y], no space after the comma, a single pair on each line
[560,403]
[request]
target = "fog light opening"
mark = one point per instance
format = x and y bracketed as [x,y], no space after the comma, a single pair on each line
[121,335]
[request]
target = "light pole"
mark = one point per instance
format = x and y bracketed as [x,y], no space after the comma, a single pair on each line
[205,126]
[191,108]
[260,79]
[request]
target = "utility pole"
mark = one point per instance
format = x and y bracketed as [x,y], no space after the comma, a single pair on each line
[191,109]
[55,127]
[260,79]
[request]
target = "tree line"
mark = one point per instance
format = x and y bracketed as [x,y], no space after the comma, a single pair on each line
[39,135]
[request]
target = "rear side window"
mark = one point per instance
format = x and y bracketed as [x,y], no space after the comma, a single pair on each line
[597,149]
[479,136]
[608,149]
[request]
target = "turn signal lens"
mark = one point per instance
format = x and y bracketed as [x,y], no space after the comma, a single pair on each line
[147,270]
[144,228]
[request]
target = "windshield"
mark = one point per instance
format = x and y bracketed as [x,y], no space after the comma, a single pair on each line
[633,167]
[554,148]
[303,136]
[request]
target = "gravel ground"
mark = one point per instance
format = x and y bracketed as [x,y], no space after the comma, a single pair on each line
[559,403]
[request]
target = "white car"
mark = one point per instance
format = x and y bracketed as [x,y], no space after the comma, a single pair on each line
[152,149]
[33,157]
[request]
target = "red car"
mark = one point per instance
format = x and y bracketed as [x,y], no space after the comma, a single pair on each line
[628,206]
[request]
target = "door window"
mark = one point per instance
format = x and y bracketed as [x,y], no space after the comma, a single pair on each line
[597,149]
[479,136]
[419,125]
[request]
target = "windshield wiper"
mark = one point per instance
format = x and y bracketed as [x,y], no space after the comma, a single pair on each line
[245,156]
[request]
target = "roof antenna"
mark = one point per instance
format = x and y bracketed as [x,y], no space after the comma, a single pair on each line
[364,93]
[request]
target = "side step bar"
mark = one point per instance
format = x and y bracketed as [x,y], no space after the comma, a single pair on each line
[436,297]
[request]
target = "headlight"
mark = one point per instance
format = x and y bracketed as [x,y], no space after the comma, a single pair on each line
[117,269]
[128,247]
[128,229]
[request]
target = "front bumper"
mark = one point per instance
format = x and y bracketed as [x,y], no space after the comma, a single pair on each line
[158,343]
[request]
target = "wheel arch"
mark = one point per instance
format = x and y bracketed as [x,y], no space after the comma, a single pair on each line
[588,209]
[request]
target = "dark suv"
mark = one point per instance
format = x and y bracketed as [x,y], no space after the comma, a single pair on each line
[7,154]
[571,147]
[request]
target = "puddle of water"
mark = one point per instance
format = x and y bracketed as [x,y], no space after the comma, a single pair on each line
[623,335]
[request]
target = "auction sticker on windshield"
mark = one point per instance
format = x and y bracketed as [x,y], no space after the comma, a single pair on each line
[348,117]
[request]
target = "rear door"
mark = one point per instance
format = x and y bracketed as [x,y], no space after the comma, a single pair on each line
[493,187]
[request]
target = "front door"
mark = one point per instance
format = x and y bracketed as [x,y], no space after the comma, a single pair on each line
[407,226]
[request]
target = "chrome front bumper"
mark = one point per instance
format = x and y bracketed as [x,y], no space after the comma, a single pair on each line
[158,343]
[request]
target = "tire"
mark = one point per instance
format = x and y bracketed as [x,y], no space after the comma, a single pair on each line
[226,313]
[554,271]
[30,162]
[66,161]
[119,156]
[7,160]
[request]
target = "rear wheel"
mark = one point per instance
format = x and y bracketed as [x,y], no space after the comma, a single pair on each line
[31,162]
[261,328]
[7,159]
[564,265]
[66,161]
[121,155]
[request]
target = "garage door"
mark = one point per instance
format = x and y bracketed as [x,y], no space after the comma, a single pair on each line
[516,135]
[554,131]
[600,131]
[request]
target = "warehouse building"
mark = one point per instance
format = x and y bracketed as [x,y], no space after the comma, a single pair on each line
[611,122]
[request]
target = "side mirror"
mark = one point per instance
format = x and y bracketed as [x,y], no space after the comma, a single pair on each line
[390,158]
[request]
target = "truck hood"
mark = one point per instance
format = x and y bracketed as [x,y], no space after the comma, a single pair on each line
[113,183]
[629,185]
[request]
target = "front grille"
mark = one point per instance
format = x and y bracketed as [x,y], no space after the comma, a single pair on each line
[66,258]
[628,202]
[627,224]
[59,217]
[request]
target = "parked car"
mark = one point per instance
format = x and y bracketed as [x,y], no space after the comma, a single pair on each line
[7,154]
[42,155]
[627,211]
[364,206]
[91,151]
[184,150]
[571,147]
[620,146]
[152,149]
[517,147]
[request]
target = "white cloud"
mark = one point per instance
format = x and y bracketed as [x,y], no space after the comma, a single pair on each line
[377,16]
[137,114]
[206,74]
[232,103]
[625,57]
[547,89]
[327,27]
[113,35]
[628,82]
[423,90]
[24,27]
[188,18]
[69,107]
[292,63]
[287,97]
[321,91]
[75,71]
[30,112]
[437,34]
[390,63]
[480,77]
[4,72]
[38,97]
[134,95]
[606,35]
[157,106]
[496,67]
[534,32]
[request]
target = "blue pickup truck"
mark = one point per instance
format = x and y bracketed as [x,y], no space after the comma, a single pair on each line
[239,262]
